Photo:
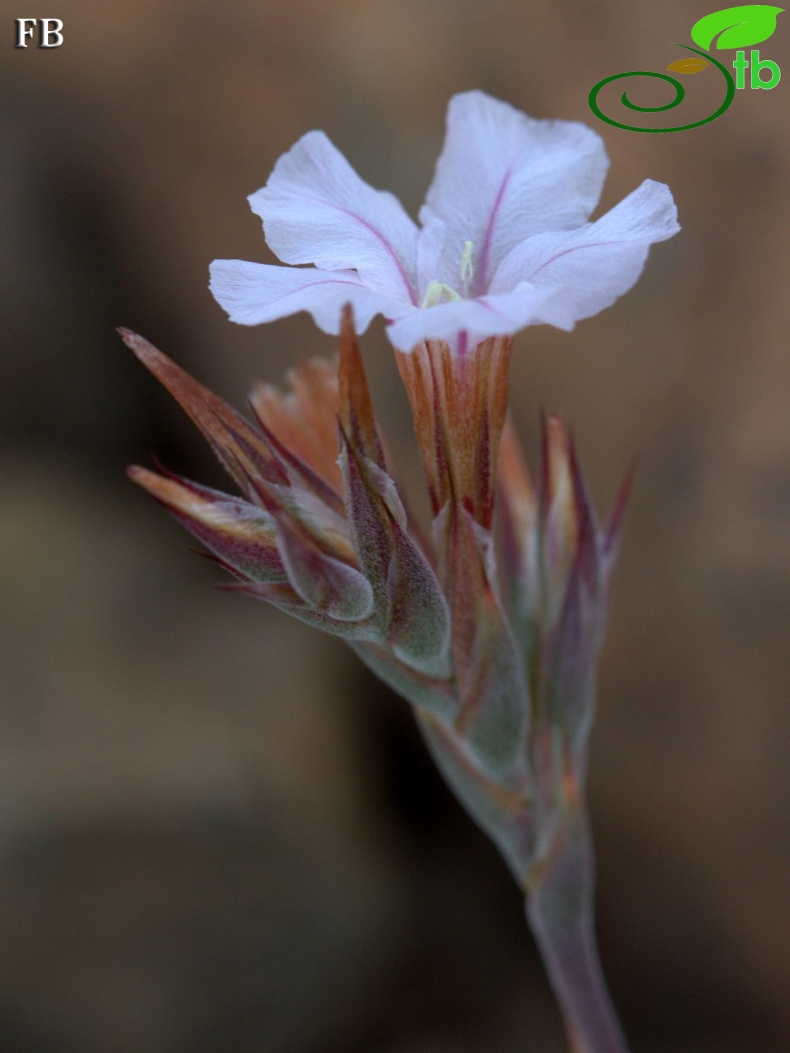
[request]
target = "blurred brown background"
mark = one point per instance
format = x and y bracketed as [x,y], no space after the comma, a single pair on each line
[218,833]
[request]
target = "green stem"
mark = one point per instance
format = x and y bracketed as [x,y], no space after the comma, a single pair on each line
[560,913]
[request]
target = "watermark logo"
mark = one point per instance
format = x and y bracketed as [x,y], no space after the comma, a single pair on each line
[733,29]
[50,32]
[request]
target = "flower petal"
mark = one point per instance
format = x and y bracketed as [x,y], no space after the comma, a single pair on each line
[601,260]
[253,293]
[316,209]
[475,320]
[501,178]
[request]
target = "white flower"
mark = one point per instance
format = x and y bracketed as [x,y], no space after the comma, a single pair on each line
[505,240]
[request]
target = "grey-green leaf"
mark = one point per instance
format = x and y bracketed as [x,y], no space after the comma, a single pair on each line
[736,27]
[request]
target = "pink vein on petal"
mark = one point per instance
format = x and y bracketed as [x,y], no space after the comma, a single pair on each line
[485,251]
[377,233]
[573,248]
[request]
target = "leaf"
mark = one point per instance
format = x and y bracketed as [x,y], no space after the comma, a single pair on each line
[736,27]
[688,65]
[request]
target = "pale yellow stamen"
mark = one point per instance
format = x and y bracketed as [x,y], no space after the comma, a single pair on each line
[438,292]
[467,270]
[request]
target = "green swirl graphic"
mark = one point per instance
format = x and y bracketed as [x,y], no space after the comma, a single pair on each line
[680,94]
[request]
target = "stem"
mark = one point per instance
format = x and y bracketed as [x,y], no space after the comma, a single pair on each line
[560,913]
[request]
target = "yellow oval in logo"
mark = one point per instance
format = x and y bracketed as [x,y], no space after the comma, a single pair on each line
[688,65]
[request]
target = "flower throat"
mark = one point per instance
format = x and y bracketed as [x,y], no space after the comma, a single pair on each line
[438,292]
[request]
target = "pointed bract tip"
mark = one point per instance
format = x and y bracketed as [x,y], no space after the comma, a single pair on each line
[144,350]
[614,527]
[138,474]
[356,414]
[171,492]
[556,458]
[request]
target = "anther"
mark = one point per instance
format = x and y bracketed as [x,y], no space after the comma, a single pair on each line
[438,292]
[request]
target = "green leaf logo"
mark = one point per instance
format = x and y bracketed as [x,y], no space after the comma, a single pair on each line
[736,27]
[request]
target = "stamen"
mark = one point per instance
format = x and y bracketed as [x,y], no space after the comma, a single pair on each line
[467,270]
[438,292]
